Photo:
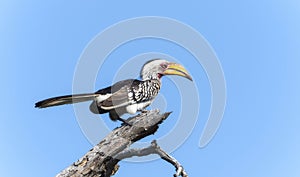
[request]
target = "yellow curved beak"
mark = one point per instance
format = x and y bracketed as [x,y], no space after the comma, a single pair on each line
[177,69]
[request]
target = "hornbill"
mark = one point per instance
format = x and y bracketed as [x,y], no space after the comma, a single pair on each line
[126,96]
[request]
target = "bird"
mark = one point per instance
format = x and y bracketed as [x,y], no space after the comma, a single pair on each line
[126,96]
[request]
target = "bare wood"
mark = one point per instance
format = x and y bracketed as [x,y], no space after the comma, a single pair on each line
[152,149]
[94,163]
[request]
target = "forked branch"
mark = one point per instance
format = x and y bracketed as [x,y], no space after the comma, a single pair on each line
[102,160]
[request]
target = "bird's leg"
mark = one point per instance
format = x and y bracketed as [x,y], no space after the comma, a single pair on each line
[144,111]
[124,121]
[113,115]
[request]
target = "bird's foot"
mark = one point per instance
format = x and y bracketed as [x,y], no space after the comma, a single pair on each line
[125,122]
[144,111]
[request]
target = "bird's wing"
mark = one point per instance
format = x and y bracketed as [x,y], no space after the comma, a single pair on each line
[119,94]
[116,100]
[117,86]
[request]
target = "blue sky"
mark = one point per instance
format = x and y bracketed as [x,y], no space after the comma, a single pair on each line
[257,43]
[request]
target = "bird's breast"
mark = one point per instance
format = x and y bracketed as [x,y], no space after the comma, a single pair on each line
[133,108]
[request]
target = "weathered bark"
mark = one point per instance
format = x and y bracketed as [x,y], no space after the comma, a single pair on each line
[102,159]
[152,149]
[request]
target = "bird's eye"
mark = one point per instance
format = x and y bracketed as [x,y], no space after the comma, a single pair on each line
[164,66]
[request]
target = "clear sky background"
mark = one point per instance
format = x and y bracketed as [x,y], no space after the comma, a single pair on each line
[257,43]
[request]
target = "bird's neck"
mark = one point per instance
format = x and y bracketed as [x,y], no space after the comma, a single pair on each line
[152,77]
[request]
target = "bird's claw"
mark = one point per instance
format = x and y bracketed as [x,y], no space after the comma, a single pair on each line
[144,111]
[125,122]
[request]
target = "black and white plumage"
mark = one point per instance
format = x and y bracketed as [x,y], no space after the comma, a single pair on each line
[127,96]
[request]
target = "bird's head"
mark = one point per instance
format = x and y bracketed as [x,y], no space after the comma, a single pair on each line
[155,69]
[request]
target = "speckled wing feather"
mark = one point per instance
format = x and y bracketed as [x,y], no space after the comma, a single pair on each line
[117,99]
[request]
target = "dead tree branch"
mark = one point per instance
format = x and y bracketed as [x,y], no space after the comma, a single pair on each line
[152,149]
[102,160]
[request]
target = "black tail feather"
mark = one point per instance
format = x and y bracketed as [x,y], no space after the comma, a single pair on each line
[67,99]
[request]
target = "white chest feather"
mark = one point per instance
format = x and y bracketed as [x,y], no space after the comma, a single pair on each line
[132,109]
